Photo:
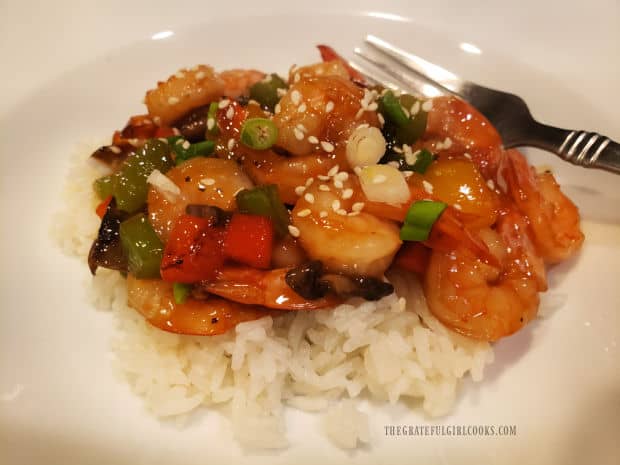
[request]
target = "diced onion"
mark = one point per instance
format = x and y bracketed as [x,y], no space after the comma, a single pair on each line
[384,183]
[164,184]
[365,146]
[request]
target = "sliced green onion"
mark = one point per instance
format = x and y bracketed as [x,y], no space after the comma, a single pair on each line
[181,291]
[141,246]
[265,201]
[265,92]
[420,219]
[390,108]
[259,133]
[212,115]
[424,159]
[184,150]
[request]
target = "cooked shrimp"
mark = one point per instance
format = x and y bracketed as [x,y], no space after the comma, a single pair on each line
[553,217]
[154,299]
[267,167]
[259,287]
[344,239]
[468,130]
[237,82]
[482,300]
[182,92]
[207,181]
[326,68]
[321,109]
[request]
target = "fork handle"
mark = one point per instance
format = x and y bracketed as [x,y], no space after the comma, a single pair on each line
[581,148]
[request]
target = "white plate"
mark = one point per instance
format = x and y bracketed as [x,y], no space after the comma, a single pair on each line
[558,380]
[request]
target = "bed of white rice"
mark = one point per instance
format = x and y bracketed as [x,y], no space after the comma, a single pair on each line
[321,361]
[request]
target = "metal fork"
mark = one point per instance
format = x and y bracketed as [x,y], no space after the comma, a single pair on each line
[507,112]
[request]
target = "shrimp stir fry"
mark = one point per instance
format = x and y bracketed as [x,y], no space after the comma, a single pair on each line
[243,194]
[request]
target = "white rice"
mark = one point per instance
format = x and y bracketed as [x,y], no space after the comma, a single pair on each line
[386,350]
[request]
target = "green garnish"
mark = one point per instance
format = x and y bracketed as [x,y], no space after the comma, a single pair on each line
[259,133]
[265,201]
[265,92]
[212,116]
[424,158]
[391,109]
[181,291]
[420,219]
[141,246]
[184,151]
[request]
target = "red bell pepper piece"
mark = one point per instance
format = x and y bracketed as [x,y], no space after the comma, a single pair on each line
[413,256]
[194,251]
[249,240]
[103,206]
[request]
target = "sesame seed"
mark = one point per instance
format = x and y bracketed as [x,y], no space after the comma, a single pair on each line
[210,123]
[415,108]
[322,177]
[353,213]
[347,193]
[491,184]
[230,113]
[297,77]
[176,132]
[277,108]
[280,92]
[359,113]
[303,213]
[363,126]
[179,142]
[324,188]
[447,143]
[466,155]
[200,75]
[373,106]
[410,158]
[397,149]
[394,164]
[457,206]
[186,145]
[427,106]
[381,118]
[313,140]
[407,173]
[333,170]
[223,104]
[342,176]
[323,214]
[338,184]
[358,206]
[336,205]
[341,211]
[295,97]
[134,142]
[309,182]
[301,108]
[298,134]
[173,100]
[201,187]
[378,179]
[309,197]
[357,170]
[300,190]
[114,149]
[329,107]
[231,143]
[439,146]
[301,127]
[293,230]
[428,187]
[207,181]
[327,146]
